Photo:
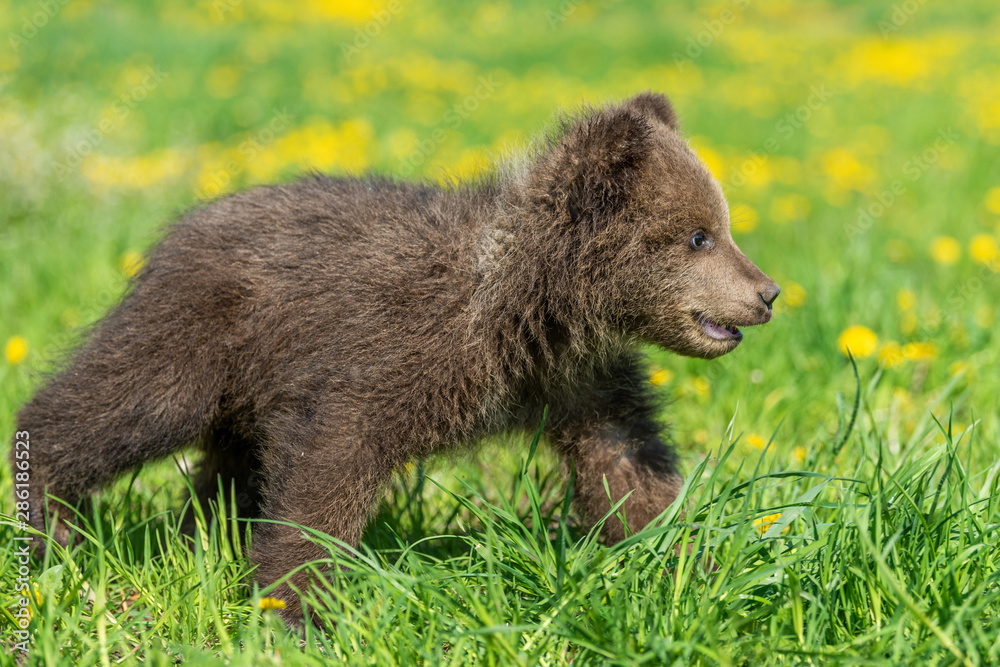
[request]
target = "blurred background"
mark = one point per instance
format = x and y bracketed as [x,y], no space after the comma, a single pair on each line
[857,142]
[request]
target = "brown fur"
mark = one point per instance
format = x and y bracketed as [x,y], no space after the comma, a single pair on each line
[315,336]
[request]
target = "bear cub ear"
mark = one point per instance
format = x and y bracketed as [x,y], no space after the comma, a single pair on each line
[655,106]
[594,168]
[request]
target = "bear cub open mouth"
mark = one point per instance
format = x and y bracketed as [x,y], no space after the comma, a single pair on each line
[718,331]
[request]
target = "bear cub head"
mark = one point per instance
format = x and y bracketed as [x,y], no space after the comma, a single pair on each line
[652,255]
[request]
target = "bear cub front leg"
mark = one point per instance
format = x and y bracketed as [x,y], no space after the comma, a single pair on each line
[608,432]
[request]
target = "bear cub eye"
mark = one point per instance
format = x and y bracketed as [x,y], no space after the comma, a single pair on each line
[701,241]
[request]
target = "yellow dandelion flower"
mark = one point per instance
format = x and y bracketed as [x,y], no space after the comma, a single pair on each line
[760,175]
[960,336]
[896,62]
[846,170]
[9,62]
[789,208]
[402,143]
[35,597]
[317,145]
[130,263]
[834,194]
[993,200]
[36,592]
[932,319]
[471,162]
[661,377]
[222,81]
[860,340]
[744,219]
[696,387]
[799,455]
[271,603]
[793,294]
[902,398]
[898,251]
[985,315]
[711,158]
[872,139]
[959,367]
[908,323]
[983,249]
[788,170]
[764,523]
[700,436]
[945,250]
[756,441]
[891,354]
[919,351]
[700,387]
[906,299]
[357,12]
[137,171]
[70,317]
[16,349]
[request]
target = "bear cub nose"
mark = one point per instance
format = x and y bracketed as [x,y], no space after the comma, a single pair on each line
[769,294]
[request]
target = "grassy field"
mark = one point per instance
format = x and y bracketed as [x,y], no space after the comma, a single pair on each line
[849,520]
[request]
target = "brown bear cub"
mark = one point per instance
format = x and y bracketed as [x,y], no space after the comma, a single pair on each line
[319,335]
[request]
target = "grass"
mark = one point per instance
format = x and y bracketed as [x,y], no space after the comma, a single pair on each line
[827,518]
[889,564]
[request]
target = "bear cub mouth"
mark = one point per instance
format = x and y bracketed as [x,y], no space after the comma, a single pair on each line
[712,329]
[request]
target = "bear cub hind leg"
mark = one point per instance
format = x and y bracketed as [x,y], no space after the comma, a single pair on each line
[320,478]
[232,459]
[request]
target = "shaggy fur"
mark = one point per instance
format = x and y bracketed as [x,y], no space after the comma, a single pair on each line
[316,336]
